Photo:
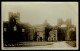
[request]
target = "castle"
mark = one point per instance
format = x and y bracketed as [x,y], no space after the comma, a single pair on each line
[14,30]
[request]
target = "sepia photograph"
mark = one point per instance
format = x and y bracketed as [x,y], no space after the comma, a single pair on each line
[39,26]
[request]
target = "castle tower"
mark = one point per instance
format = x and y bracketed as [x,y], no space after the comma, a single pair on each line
[17,17]
[60,22]
[10,15]
[68,22]
[14,17]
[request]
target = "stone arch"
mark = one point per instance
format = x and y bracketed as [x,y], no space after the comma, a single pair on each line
[71,35]
[63,32]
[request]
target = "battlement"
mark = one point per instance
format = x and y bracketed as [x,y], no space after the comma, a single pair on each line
[67,22]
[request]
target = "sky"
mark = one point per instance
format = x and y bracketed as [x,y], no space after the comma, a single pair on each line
[37,12]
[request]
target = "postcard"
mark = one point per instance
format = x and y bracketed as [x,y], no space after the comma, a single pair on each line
[39,26]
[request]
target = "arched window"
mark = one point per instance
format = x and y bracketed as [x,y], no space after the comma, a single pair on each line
[23,30]
[15,28]
[5,29]
[14,20]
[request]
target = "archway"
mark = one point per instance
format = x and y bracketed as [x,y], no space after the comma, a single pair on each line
[62,32]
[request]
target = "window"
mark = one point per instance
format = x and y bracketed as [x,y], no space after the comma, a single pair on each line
[5,29]
[23,30]
[13,20]
[15,29]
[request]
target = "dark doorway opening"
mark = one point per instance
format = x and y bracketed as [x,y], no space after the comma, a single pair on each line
[40,38]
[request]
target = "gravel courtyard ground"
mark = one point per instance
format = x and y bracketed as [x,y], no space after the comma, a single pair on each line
[58,44]
[41,45]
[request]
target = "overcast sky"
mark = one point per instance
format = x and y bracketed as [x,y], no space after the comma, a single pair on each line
[37,12]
